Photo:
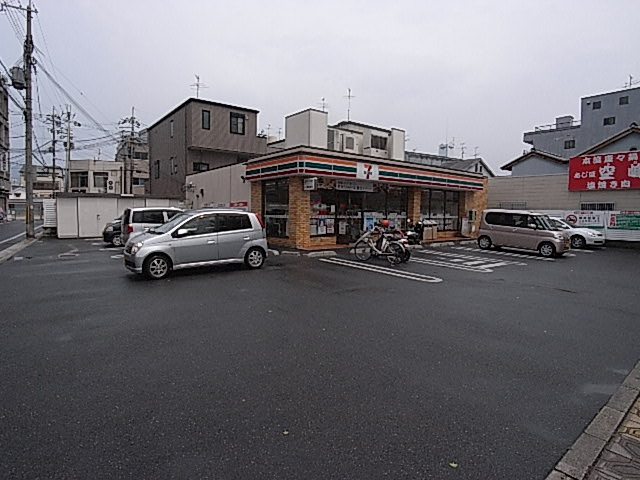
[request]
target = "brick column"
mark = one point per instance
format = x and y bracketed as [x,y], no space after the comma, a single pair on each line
[299,214]
[475,201]
[415,202]
[256,198]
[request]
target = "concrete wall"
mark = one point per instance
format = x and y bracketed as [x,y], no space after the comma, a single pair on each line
[85,216]
[550,192]
[220,187]
[307,128]
[396,144]
[538,165]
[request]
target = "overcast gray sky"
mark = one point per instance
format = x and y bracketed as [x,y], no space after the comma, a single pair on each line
[480,71]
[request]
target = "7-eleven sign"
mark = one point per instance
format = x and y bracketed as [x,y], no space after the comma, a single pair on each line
[367,171]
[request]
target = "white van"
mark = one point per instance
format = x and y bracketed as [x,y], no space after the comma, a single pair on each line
[136,220]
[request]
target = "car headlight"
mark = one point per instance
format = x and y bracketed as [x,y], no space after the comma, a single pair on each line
[109,228]
[135,247]
[559,236]
[592,234]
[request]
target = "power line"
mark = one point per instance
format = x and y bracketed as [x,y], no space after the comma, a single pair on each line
[77,105]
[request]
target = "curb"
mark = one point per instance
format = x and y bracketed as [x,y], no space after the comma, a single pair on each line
[9,252]
[578,461]
[448,244]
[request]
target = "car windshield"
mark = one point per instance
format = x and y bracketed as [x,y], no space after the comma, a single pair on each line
[560,224]
[166,227]
[544,222]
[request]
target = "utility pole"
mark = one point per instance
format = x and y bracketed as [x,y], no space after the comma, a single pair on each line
[54,119]
[127,179]
[68,118]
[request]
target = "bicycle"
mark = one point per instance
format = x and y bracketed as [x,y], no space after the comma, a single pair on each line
[365,247]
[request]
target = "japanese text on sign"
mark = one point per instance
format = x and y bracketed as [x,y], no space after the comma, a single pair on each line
[611,171]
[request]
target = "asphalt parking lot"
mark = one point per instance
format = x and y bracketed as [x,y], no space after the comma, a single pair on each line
[460,364]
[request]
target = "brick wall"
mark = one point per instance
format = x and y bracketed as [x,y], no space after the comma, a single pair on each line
[475,201]
[415,199]
[256,198]
[299,213]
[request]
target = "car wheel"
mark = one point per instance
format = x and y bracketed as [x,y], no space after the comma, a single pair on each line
[157,267]
[254,258]
[547,249]
[116,241]
[578,242]
[484,242]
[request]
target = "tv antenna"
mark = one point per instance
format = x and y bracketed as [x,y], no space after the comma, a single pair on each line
[324,104]
[348,96]
[631,82]
[463,148]
[475,152]
[198,85]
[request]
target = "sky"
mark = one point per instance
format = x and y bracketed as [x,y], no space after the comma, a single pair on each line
[478,73]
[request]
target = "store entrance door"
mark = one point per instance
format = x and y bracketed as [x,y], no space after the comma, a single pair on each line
[349,216]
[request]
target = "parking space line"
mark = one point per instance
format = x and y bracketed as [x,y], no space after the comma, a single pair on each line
[418,277]
[468,260]
[507,254]
[487,268]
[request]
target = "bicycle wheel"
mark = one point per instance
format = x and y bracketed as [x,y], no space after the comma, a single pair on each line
[362,251]
[396,253]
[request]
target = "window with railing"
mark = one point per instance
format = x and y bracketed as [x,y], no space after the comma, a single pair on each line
[598,206]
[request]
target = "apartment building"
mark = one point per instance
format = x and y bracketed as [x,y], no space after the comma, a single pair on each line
[200,135]
[5,185]
[47,181]
[107,176]
[601,117]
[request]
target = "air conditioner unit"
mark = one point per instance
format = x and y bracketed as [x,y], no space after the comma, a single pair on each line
[110,184]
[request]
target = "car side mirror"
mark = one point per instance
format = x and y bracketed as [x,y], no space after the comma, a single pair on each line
[183,232]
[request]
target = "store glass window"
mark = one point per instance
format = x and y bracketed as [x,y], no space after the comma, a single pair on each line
[275,200]
[443,207]
[451,212]
[397,201]
[323,212]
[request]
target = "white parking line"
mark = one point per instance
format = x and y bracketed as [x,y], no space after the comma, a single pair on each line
[506,254]
[460,266]
[473,263]
[418,277]
[18,235]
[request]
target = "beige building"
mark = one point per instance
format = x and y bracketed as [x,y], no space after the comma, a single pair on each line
[197,136]
[45,183]
[106,176]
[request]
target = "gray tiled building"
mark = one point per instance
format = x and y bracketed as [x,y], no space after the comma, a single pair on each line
[196,136]
[601,116]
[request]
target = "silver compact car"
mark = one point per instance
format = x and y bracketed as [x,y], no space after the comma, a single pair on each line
[198,238]
[580,236]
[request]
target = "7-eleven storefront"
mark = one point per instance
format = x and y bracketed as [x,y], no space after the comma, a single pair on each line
[311,197]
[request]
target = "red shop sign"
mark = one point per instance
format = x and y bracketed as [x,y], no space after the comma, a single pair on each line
[608,171]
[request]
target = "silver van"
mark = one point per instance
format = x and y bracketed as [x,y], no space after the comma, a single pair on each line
[521,229]
[198,238]
[136,220]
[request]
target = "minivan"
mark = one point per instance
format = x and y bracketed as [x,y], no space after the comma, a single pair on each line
[136,220]
[521,229]
[198,238]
